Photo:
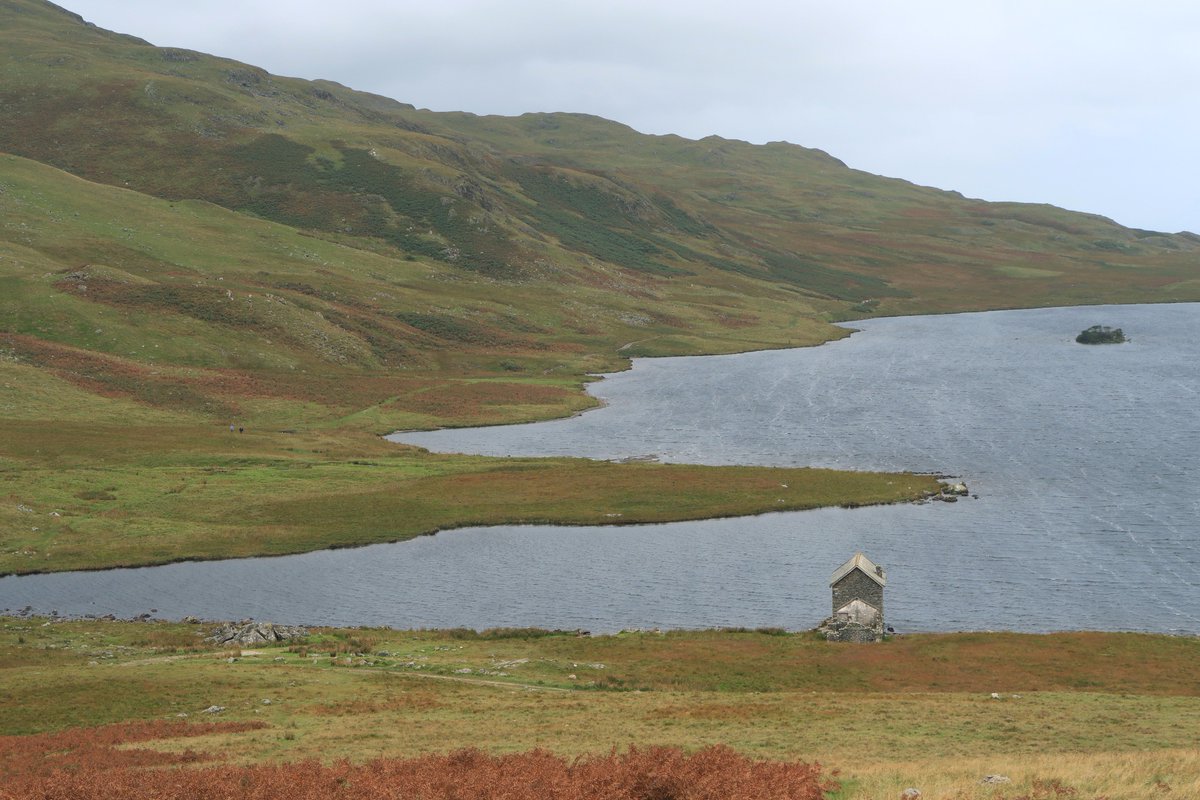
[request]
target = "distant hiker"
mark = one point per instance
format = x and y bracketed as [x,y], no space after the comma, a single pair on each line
[241,430]
[231,427]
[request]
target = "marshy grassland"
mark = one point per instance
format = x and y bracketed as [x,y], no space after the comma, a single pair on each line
[1105,714]
[176,492]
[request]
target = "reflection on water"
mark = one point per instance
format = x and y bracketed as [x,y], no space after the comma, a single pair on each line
[1084,460]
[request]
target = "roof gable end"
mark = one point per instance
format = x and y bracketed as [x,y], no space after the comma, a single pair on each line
[863,564]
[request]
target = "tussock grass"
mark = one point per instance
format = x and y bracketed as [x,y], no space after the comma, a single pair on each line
[1128,775]
[362,693]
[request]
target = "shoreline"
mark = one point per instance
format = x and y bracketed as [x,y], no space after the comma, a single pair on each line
[50,619]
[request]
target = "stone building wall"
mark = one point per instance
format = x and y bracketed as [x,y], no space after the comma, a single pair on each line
[857,585]
[839,631]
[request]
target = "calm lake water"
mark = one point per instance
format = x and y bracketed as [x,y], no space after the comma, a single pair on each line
[1084,460]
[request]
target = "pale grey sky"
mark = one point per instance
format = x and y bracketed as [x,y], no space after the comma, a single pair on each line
[1093,106]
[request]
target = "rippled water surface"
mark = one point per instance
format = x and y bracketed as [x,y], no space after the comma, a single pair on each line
[1084,460]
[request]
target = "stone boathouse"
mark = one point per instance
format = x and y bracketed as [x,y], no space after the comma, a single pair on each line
[857,602]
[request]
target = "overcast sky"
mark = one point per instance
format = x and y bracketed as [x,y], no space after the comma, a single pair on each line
[1091,105]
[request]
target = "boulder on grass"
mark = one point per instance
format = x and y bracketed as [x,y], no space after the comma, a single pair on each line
[253,633]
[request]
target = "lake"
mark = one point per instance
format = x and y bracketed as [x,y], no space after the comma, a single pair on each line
[1084,461]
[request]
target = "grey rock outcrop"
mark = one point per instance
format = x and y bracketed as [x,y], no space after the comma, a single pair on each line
[230,634]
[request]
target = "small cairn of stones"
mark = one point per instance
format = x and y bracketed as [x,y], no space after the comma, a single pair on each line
[237,634]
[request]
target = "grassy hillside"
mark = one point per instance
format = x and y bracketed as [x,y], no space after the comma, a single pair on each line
[118,383]
[188,242]
[512,198]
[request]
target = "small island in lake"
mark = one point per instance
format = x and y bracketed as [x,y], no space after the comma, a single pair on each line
[1101,334]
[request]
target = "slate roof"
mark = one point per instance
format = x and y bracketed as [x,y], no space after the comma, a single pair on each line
[863,563]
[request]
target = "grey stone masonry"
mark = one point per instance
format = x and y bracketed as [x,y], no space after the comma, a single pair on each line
[856,585]
[838,629]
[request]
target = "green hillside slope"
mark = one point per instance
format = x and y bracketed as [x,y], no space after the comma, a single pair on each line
[514,198]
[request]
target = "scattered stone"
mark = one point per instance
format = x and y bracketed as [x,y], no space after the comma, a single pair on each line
[182,715]
[649,458]
[463,671]
[516,662]
[230,634]
[266,701]
[213,710]
[991,779]
[190,620]
[995,695]
[910,794]
[950,492]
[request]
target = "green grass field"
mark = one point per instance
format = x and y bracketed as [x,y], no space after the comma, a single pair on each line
[176,492]
[1110,715]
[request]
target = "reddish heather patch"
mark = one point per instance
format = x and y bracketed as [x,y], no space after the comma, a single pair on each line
[111,376]
[654,773]
[93,750]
